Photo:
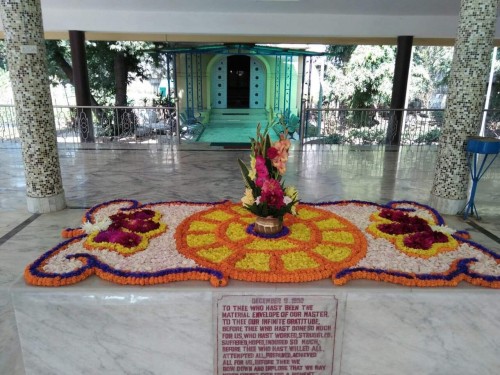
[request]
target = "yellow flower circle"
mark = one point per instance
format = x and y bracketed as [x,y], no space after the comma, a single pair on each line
[318,245]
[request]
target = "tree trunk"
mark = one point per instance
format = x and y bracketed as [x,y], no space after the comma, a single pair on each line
[125,122]
[68,70]
[121,75]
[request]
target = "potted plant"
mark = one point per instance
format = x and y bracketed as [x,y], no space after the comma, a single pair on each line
[266,195]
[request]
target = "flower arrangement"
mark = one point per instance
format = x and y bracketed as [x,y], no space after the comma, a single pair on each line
[211,241]
[265,193]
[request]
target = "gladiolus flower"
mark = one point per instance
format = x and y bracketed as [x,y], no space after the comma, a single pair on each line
[279,161]
[252,173]
[262,172]
[272,152]
[248,198]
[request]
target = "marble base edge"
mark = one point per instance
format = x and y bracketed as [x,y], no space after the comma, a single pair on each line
[46,204]
[447,206]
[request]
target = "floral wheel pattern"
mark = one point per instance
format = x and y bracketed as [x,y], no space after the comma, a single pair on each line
[319,244]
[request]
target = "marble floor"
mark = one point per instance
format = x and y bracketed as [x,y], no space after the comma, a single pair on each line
[201,173]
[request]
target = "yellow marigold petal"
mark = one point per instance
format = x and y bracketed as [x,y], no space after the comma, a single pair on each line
[218,215]
[254,261]
[333,253]
[249,219]
[274,244]
[242,211]
[197,240]
[305,214]
[216,254]
[342,237]
[298,260]
[198,225]
[300,232]
[236,232]
[329,224]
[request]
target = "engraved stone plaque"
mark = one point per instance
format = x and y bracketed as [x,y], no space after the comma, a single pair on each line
[275,335]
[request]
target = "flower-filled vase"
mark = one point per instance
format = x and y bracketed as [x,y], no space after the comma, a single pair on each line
[266,195]
[268,225]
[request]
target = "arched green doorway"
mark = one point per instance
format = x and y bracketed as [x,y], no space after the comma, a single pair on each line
[238,81]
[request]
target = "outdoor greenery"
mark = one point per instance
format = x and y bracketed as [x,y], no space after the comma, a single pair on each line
[358,81]
[361,76]
[111,66]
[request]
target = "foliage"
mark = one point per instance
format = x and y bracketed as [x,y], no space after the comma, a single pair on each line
[367,137]
[360,77]
[429,137]
[438,117]
[3,56]
[339,55]
[286,122]
[429,74]
[334,139]
[265,193]
[111,66]
[311,130]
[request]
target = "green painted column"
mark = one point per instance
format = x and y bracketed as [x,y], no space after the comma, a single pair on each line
[466,96]
[22,21]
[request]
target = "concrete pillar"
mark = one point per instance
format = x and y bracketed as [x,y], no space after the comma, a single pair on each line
[25,46]
[466,96]
[399,85]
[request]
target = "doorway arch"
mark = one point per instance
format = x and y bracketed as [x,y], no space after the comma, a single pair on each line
[238,81]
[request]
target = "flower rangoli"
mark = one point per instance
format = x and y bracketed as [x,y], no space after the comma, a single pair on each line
[126,242]
[317,244]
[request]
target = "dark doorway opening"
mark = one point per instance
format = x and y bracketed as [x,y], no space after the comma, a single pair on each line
[238,81]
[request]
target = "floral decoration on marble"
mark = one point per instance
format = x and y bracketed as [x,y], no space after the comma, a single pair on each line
[402,242]
[265,191]
[124,232]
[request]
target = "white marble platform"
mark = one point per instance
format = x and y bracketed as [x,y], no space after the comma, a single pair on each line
[321,173]
[97,327]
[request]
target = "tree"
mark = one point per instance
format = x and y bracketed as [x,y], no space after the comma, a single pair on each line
[361,77]
[429,74]
[111,66]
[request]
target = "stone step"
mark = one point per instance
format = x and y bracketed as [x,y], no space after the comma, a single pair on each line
[238,114]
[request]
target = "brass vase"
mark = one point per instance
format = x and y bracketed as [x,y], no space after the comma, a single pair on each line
[268,225]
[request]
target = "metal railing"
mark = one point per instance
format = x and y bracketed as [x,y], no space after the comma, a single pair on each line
[128,125]
[159,125]
[378,126]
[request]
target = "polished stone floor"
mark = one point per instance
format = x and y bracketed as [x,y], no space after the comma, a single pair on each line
[200,173]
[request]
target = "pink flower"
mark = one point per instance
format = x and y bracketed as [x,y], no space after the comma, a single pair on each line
[272,194]
[272,152]
[141,226]
[138,221]
[262,172]
[424,240]
[115,236]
